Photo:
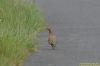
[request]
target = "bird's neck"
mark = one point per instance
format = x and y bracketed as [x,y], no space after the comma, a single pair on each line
[50,32]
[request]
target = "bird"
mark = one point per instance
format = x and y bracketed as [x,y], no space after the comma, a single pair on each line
[51,38]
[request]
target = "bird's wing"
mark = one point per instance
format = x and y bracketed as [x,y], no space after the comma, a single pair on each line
[54,39]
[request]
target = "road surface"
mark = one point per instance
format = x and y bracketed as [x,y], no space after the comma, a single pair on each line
[77,26]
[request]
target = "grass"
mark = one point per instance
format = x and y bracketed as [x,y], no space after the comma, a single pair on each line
[20,22]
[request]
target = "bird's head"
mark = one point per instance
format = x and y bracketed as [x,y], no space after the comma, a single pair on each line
[48,27]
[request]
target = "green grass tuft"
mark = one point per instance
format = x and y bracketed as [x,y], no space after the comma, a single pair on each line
[20,21]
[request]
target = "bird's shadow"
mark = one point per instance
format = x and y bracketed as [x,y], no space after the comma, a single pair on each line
[48,48]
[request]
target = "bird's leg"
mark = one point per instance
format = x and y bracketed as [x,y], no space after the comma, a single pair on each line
[53,47]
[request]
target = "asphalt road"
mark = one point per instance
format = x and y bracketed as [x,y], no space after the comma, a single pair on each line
[77,26]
